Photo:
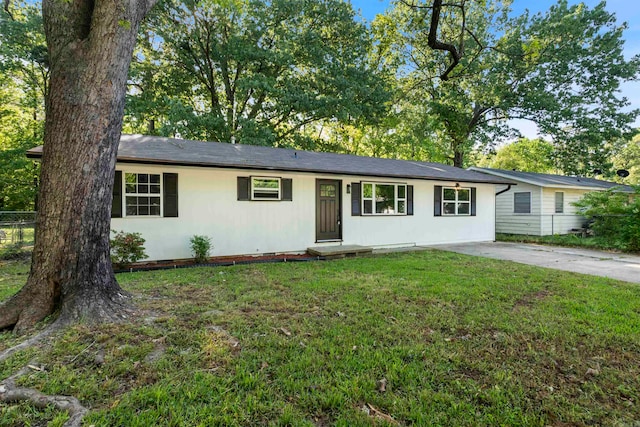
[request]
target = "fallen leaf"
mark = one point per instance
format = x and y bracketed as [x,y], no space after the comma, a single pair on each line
[382,385]
[285,331]
[376,413]
[592,372]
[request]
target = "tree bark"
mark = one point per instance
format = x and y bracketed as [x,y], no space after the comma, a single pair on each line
[90,47]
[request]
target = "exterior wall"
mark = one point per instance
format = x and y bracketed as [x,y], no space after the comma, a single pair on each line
[208,205]
[543,220]
[518,223]
[560,223]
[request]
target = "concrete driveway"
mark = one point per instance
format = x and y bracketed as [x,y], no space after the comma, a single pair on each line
[598,263]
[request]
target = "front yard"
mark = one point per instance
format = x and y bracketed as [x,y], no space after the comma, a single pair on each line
[424,338]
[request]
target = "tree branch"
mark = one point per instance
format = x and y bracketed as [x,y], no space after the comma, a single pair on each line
[6,9]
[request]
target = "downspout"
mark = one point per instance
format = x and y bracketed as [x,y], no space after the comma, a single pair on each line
[495,201]
[505,190]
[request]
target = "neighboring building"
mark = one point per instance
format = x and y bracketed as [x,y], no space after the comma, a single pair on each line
[260,200]
[542,204]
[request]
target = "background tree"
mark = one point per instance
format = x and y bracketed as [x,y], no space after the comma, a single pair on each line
[90,45]
[24,72]
[527,155]
[561,69]
[627,157]
[253,70]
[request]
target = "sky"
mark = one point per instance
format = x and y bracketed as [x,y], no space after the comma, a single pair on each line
[625,11]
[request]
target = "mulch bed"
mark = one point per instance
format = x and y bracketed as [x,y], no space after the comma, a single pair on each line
[218,261]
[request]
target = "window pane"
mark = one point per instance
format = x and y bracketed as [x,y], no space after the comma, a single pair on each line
[327,190]
[130,178]
[143,188]
[464,195]
[449,208]
[154,201]
[367,191]
[154,188]
[132,210]
[130,188]
[154,210]
[131,201]
[559,202]
[448,194]
[154,179]
[522,202]
[261,194]
[143,210]
[401,206]
[368,206]
[266,183]
[402,191]
[143,178]
[463,209]
[385,198]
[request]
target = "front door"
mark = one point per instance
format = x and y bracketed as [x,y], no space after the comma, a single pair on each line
[328,208]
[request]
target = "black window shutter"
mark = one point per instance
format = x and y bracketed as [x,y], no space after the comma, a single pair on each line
[170,193]
[287,189]
[243,187]
[473,201]
[437,200]
[355,199]
[409,199]
[116,204]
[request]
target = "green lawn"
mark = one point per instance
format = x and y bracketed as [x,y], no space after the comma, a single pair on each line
[459,341]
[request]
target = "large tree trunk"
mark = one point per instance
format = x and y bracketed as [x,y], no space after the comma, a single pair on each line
[90,47]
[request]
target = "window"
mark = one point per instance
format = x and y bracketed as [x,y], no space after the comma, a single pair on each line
[384,199]
[456,201]
[559,201]
[522,202]
[142,194]
[265,188]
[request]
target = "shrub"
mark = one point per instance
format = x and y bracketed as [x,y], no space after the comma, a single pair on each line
[614,216]
[14,251]
[126,248]
[200,247]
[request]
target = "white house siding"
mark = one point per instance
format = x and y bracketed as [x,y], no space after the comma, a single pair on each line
[518,223]
[560,223]
[208,205]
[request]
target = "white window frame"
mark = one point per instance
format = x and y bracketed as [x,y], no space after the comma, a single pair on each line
[530,202]
[396,202]
[457,202]
[126,194]
[267,190]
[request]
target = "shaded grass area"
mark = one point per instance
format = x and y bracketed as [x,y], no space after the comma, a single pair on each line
[458,340]
[591,242]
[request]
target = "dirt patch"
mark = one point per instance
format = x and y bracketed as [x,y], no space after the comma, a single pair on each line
[530,299]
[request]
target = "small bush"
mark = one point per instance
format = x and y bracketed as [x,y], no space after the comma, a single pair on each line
[126,248]
[200,247]
[14,251]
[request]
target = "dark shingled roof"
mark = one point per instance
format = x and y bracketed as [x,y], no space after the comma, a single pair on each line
[170,151]
[548,180]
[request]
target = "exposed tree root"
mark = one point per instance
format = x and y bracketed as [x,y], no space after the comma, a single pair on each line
[50,330]
[9,392]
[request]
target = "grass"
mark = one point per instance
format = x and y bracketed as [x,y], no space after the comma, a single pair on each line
[592,242]
[459,340]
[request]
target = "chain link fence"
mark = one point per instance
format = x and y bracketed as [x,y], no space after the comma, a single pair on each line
[17,227]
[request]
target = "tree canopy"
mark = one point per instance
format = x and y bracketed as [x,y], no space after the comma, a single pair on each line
[251,70]
[561,69]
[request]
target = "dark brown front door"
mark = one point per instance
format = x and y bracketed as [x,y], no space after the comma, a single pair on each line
[328,221]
